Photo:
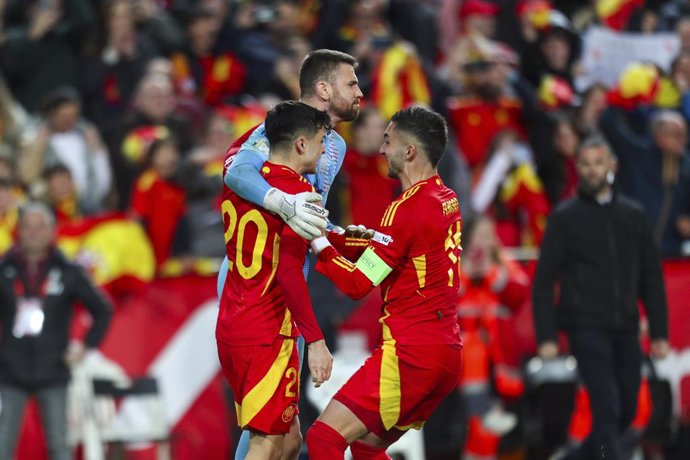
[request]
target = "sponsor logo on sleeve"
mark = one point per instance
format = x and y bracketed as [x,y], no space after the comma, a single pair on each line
[382,238]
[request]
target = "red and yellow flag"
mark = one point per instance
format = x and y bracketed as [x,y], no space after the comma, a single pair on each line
[399,81]
[616,13]
[114,248]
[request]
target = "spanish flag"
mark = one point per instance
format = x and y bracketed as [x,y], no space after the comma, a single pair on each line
[243,117]
[139,140]
[8,229]
[638,83]
[399,81]
[537,13]
[114,248]
[554,92]
[616,13]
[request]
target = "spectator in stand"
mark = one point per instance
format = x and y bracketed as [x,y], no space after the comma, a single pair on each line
[680,76]
[63,136]
[492,290]
[61,194]
[656,173]
[264,38]
[153,118]
[683,31]
[41,45]
[466,18]
[509,189]
[599,247]
[40,289]
[13,117]
[203,182]
[554,52]
[158,25]
[558,172]
[674,14]
[367,185]
[199,69]
[161,203]
[117,64]
[486,105]
[594,101]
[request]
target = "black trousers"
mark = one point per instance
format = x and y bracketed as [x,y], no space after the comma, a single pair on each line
[609,363]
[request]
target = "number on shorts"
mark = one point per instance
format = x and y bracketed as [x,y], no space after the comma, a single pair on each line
[291,375]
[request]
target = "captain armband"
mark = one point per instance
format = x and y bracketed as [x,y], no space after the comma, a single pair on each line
[373,267]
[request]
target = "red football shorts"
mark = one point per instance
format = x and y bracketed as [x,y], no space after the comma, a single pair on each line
[399,387]
[265,384]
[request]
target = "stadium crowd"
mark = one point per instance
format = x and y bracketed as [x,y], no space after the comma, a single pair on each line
[120,112]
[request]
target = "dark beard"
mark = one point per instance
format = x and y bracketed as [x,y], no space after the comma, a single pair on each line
[593,189]
[349,114]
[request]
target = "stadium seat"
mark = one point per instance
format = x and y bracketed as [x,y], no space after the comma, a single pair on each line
[139,415]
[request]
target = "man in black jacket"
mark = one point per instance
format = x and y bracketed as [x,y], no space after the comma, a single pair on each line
[38,290]
[599,247]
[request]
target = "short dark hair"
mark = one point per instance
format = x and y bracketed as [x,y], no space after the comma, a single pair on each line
[290,119]
[321,64]
[59,97]
[426,126]
[593,142]
[54,168]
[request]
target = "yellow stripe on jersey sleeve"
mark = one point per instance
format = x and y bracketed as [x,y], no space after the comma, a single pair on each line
[344,263]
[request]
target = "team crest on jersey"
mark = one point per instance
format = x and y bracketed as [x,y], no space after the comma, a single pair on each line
[288,413]
[382,238]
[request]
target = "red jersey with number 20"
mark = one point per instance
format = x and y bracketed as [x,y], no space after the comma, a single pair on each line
[265,293]
[419,239]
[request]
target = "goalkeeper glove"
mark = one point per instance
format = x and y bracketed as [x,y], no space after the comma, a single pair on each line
[302,212]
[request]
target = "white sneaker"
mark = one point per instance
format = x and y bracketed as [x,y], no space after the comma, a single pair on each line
[498,421]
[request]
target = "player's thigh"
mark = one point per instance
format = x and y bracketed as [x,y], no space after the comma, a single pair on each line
[293,441]
[265,446]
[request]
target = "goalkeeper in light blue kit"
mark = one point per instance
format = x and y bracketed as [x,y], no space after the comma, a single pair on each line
[327,82]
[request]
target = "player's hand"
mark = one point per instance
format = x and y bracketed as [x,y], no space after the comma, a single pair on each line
[320,362]
[359,231]
[548,350]
[302,212]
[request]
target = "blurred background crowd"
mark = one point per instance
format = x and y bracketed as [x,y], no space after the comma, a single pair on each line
[118,114]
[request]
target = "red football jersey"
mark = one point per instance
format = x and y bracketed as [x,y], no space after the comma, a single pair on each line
[419,238]
[265,256]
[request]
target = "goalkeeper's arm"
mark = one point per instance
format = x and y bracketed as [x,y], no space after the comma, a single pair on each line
[302,211]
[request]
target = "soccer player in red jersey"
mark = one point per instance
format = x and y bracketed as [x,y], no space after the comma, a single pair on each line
[266,296]
[414,256]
